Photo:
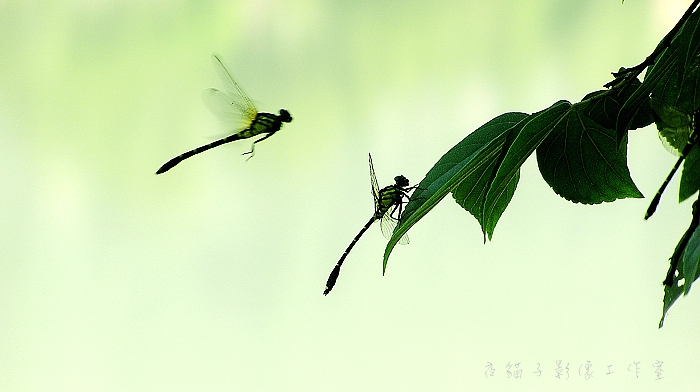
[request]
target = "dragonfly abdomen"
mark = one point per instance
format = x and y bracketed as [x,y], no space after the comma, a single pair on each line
[171,163]
[336,270]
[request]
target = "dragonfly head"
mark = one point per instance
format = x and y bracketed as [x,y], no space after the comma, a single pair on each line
[285,116]
[401,181]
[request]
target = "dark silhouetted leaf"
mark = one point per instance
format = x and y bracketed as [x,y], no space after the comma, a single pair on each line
[582,161]
[690,259]
[673,124]
[603,107]
[470,157]
[690,179]
[688,254]
[471,192]
[674,78]
[535,130]
[640,97]
[676,74]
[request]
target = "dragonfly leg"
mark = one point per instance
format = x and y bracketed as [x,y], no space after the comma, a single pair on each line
[405,191]
[252,146]
[251,152]
[398,207]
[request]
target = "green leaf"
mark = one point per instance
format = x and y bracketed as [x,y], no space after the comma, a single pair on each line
[687,267]
[537,128]
[672,123]
[690,178]
[674,126]
[471,195]
[671,294]
[471,156]
[582,161]
[639,99]
[679,84]
[690,259]
[686,72]
[471,192]
[603,107]
[674,78]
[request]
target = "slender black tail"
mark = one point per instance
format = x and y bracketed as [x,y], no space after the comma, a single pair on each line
[336,270]
[171,163]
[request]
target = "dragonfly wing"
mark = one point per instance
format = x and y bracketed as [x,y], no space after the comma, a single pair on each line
[375,186]
[388,224]
[234,91]
[225,109]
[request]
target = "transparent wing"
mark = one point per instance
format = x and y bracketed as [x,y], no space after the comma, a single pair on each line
[388,224]
[225,109]
[375,186]
[237,99]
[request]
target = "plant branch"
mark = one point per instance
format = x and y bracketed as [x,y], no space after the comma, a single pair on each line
[626,74]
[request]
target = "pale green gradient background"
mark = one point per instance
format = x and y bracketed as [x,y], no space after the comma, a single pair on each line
[210,277]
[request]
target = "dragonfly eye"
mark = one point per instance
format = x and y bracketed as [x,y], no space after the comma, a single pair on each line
[285,116]
[401,181]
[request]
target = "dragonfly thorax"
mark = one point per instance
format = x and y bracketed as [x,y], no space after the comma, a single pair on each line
[285,116]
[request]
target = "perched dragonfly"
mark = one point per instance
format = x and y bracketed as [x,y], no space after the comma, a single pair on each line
[235,109]
[678,130]
[388,201]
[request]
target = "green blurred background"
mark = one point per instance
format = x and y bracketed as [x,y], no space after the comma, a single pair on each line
[209,277]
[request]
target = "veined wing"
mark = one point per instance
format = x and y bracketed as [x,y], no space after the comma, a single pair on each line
[232,106]
[225,109]
[233,90]
[388,224]
[375,186]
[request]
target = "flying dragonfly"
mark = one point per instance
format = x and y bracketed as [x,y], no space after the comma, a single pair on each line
[677,130]
[387,202]
[236,110]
